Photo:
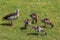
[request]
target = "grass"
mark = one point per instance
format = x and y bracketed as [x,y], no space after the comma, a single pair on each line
[43,8]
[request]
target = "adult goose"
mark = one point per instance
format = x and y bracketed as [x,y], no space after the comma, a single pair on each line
[12,16]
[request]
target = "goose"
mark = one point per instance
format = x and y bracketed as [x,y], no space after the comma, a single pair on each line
[27,23]
[39,29]
[47,21]
[33,17]
[12,16]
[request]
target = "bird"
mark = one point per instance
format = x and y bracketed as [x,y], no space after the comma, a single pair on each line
[39,29]
[34,18]
[12,16]
[47,21]
[27,22]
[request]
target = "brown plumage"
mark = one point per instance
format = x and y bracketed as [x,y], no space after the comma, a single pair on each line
[12,16]
[34,17]
[27,22]
[47,21]
[39,29]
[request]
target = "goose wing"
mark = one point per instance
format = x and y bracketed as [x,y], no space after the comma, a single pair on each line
[9,15]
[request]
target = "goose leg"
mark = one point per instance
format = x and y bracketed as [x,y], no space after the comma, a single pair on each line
[25,26]
[51,25]
[44,25]
[32,21]
[11,22]
[35,20]
[44,32]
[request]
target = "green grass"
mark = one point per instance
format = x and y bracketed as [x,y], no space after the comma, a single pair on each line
[43,8]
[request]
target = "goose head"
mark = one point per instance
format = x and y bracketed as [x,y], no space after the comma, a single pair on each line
[17,12]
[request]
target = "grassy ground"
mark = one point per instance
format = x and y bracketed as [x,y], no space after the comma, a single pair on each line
[43,8]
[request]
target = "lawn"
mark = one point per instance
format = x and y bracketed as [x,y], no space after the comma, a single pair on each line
[43,8]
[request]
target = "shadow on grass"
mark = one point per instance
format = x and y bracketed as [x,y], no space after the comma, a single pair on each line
[22,28]
[36,34]
[32,34]
[5,24]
